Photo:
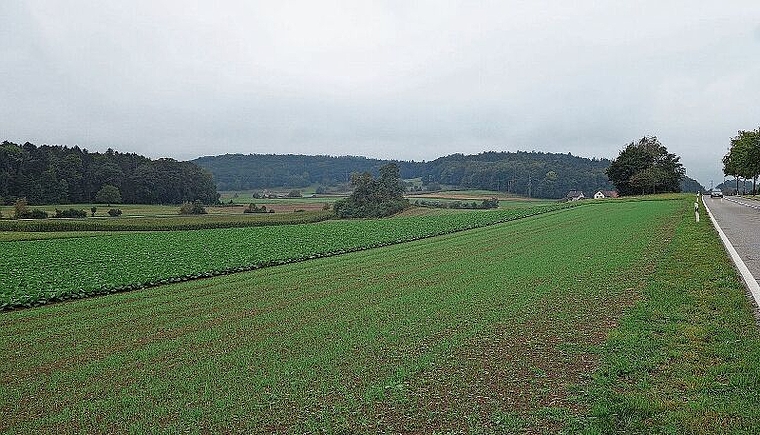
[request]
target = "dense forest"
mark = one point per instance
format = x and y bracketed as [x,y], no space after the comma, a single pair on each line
[537,174]
[63,175]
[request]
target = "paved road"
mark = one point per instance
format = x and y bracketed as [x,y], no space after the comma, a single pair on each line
[739,219]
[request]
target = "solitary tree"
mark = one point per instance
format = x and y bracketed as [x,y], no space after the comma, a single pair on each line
[108,194]
[646,167]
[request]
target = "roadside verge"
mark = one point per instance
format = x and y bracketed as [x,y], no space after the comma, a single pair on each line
[749,281]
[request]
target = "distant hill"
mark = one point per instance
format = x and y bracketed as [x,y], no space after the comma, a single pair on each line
[537,174]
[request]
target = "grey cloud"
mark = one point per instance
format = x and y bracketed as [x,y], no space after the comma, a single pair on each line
[383,79]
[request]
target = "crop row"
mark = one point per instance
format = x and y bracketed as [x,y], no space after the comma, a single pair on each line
[169,223]
[37,272]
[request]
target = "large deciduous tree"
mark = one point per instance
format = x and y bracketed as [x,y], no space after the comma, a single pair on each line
[646,167]
[743,158]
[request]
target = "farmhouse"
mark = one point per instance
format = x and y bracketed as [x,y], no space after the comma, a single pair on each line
[601,194]
[574,195]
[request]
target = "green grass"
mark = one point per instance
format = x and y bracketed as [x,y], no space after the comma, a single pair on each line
[247,198]
[687,358]
[43,271]
[127,209]
[623,317]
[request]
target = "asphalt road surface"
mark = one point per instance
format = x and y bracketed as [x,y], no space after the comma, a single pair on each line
[740,220]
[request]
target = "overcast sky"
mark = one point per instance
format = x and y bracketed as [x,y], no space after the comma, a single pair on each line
[405,80]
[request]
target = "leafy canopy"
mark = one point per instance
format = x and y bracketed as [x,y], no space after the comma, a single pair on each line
[373,197]
[743,158]
[646,167]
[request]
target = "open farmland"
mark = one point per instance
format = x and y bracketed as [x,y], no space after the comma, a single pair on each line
[83,266]
[618,317]
[164,223]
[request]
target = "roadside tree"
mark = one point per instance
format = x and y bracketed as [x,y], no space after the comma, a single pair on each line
[743,158]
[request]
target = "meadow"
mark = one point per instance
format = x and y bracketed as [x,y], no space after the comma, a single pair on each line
[40,271]
[621,317]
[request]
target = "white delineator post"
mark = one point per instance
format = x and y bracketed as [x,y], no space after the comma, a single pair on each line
[696,211]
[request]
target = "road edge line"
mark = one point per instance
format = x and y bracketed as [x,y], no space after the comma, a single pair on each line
[749,281]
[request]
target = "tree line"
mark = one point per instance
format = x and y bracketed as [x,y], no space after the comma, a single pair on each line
[536,174]
[743,158]
[72,175]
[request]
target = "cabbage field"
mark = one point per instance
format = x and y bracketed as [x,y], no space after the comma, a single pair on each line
[37,272]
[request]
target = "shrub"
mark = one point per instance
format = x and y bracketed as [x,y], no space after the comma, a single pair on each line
[195,207]
[491,203]
[93,210]
[70,213]
[294,194]
[252,208]
[114,212]
[35,214]
[20,208]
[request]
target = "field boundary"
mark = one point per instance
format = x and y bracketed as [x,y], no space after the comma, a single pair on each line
[749,281]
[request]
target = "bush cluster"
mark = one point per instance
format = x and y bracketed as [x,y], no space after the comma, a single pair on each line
[114,212]
[195,207]
[70,213]
[21,210]
[252,208]
[372,197]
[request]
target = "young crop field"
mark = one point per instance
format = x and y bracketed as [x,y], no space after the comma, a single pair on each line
[42,271]
[622,317]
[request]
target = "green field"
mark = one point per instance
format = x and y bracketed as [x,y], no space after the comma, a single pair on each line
[162,223]
[118,262]
[621,317]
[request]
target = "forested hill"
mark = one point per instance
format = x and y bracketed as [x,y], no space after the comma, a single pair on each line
[63,175]
[539,174]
